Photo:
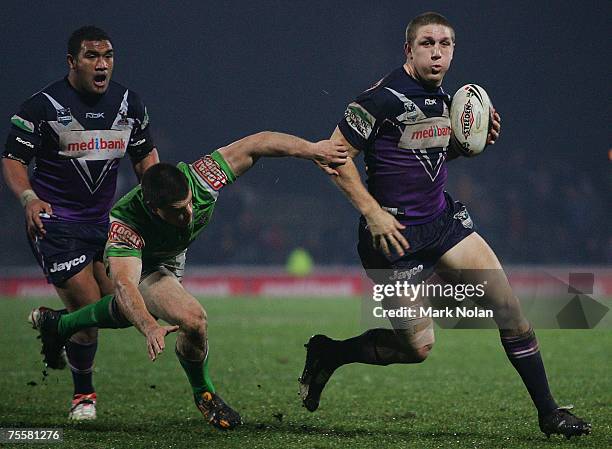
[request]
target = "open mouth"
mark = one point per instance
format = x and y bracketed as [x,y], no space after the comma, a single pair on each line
[100,80]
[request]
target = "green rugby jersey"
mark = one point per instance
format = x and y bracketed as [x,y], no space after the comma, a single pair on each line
[136,231]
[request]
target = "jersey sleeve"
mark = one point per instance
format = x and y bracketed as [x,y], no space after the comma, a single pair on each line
[363,117]
[25,137]
[211,173]
[141,142]
[123,240]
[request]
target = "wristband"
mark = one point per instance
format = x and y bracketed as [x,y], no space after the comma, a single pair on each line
[27,196]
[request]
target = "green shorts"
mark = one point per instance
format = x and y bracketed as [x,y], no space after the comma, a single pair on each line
[174,265]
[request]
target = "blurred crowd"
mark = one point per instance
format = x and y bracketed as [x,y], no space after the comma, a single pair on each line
[539,209]
[536,211]
[530,211]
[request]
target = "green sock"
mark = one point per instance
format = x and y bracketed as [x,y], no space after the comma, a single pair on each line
[102,314]
[197,373]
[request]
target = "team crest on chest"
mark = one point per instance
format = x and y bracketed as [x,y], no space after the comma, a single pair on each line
[412,113]
[64,116]
[123,121]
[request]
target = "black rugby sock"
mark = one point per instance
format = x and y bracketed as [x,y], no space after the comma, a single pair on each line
[524,354]
[81,360]
[373,347]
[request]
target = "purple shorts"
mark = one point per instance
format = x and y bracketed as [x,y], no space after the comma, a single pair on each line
[67,248]
[428,242]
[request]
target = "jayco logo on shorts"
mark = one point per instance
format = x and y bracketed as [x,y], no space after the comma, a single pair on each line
[406,274]
[67,265]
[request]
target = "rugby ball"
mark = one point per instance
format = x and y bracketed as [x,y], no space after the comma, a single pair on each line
[470,116]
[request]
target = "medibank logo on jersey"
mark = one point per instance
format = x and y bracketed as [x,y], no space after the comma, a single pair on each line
[97,143]
[94,145]
[432,131]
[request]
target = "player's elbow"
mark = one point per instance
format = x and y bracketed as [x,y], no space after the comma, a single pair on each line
[13,170]
[264,135]
[247,150]
[260,143]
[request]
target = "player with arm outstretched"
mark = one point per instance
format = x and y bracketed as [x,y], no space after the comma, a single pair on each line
[151,228]
[410,224]
[77,130]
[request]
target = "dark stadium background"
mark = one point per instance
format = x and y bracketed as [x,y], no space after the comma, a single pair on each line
[211,72]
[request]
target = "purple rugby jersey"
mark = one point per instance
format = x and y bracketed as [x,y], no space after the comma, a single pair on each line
[403,129]
[77,141]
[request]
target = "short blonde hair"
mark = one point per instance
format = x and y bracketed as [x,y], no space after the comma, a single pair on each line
[427,18]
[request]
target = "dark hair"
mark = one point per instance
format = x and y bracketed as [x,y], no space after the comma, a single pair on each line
[427,18]
[86,33]
[163,184]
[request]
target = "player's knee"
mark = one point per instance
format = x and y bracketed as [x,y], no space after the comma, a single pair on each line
[508,315]
[195,321]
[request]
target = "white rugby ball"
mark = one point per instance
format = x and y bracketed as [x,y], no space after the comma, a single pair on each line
[470,119]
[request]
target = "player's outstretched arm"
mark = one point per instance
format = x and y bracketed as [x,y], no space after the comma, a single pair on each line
[16,176]
[242,154]
[125,272]
[385,229]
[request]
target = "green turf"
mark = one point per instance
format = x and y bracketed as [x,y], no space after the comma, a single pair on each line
[465,395]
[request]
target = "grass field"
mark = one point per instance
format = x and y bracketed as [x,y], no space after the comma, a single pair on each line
[466,395]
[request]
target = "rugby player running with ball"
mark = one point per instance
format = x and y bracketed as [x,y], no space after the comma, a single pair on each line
[410,224]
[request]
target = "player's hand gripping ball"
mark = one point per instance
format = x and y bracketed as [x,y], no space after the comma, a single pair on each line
[470,116]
